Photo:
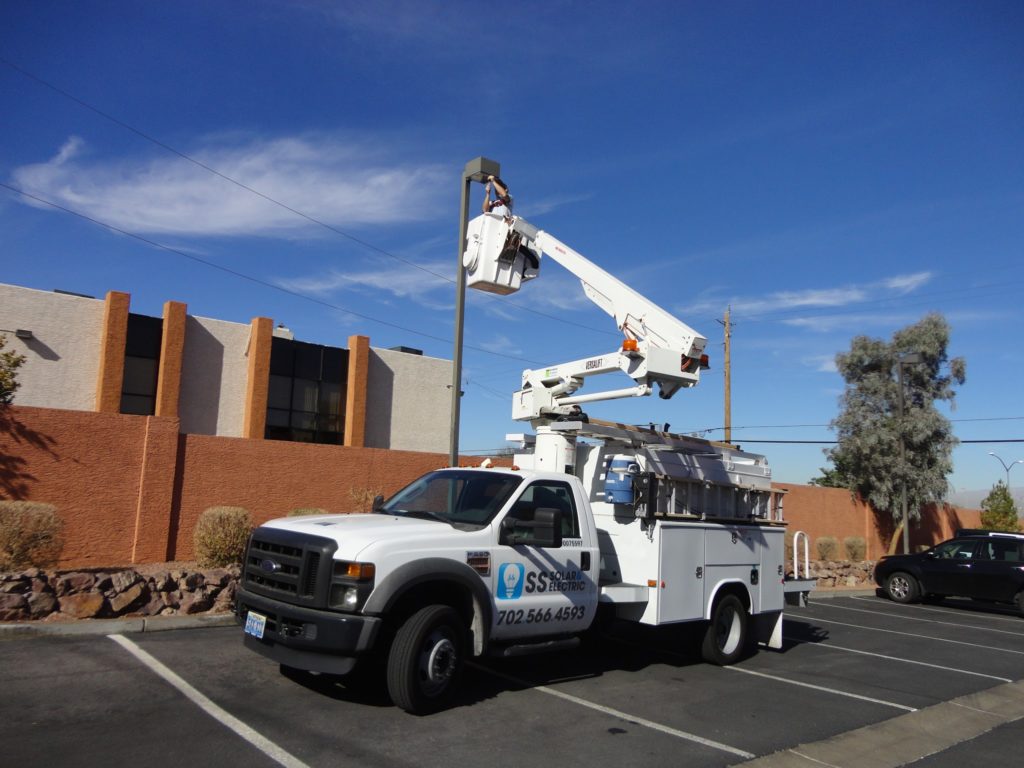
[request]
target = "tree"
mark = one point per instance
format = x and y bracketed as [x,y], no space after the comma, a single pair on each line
[10,362]
[869,427]
[999,512]
[831,477]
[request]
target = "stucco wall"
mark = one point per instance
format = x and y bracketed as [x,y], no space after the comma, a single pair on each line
[131,488]
[62,358]
[213,377]
[408,402]
[834,512]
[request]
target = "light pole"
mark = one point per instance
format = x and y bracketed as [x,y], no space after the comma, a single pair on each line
[1007,467]
[909,358]
[477,169]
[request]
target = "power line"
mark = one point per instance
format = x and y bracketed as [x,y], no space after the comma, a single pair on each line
[250,278]
[268,198]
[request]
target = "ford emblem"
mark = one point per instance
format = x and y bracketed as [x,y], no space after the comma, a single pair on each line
[270,566]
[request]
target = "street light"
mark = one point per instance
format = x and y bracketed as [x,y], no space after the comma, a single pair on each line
[909,358]
[1007,467]
[477,169]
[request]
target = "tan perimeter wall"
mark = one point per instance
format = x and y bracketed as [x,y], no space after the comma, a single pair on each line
[834,512]
[130,488]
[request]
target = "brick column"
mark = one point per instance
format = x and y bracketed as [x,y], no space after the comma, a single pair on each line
[153,507]
[115,334]
[172,349]
[261,333]
[355,395]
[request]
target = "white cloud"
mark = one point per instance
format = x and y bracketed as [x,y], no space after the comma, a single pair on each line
[499,344]
[342,183]
[398,280]
[821,363]
[814,298]
[907,283]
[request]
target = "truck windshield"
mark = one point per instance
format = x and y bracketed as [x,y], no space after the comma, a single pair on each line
[458,497]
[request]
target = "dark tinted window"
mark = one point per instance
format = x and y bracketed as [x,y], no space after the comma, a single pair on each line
[141,364]
[306,392]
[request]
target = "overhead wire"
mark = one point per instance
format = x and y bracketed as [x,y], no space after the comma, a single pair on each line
[252,279]
[312,219]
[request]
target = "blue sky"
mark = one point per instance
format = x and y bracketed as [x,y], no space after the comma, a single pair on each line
[825,169]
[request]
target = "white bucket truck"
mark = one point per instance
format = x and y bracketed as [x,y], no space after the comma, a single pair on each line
[648,526]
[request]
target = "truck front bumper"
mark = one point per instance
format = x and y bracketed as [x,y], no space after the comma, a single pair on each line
[307,638]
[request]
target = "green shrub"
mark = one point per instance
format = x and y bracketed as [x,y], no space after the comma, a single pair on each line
[302,511]
[31,535]
[856,548]
[221,535]
[827,547]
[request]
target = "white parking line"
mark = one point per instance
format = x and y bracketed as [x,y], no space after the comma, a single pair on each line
[831,646]
[822,688]
[935,609]
[928,621]
[912,634]
[618,714]
[264,745]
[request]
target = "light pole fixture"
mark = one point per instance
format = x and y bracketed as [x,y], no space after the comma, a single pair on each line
[1007,467]
[908,358]
[477,169]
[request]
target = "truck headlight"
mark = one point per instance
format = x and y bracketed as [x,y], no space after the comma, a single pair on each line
[351,584]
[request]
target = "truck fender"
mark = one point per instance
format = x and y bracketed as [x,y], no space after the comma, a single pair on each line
[436,569]
[735,586]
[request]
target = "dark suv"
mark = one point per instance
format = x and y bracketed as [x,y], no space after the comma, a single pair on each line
[984,565]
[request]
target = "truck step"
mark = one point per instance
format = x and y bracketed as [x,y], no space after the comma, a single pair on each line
[528,649]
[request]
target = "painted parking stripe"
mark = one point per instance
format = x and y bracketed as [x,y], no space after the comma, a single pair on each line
[913,634]
[831,646]
[976,614]
[263,744]
[617,713]
[823,688]
[928,621]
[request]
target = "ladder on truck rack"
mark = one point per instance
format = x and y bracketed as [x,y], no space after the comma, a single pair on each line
[682,476]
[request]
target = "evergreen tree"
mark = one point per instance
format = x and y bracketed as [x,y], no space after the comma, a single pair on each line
[869,428]
[999,512]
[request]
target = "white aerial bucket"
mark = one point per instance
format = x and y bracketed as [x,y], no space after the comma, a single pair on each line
[496,259]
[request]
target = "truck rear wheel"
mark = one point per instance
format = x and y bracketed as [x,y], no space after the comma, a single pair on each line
[725,640]
[426,659]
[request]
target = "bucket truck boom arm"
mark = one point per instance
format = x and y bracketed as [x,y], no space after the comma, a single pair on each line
[658,348]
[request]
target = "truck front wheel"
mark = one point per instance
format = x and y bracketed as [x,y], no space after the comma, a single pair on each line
[425,660]
[725,639]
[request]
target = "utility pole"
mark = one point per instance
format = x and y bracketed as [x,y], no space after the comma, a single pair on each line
[727,371]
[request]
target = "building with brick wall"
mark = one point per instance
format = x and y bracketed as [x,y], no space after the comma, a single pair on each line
[222,378]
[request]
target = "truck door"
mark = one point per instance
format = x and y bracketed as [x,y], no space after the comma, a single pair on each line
[541,591]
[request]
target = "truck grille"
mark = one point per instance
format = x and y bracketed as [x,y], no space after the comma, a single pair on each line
[289,566]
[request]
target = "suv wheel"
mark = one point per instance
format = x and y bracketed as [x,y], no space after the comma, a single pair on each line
[902,587]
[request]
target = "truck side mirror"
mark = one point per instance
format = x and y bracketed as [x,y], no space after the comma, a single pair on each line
[545,530]
[378,503]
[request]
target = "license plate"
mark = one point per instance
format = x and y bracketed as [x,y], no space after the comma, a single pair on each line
[255,623]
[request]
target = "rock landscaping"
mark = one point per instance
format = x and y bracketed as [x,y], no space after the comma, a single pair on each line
[841,573]
[109,593]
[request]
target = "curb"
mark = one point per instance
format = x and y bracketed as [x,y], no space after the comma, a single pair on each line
[828,593]
[114,626]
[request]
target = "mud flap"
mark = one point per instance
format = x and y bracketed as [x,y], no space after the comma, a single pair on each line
[768,629]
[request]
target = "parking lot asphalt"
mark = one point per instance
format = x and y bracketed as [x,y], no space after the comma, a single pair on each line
[861,681]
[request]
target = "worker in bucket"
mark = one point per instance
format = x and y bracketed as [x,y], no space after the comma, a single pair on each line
[503,203]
